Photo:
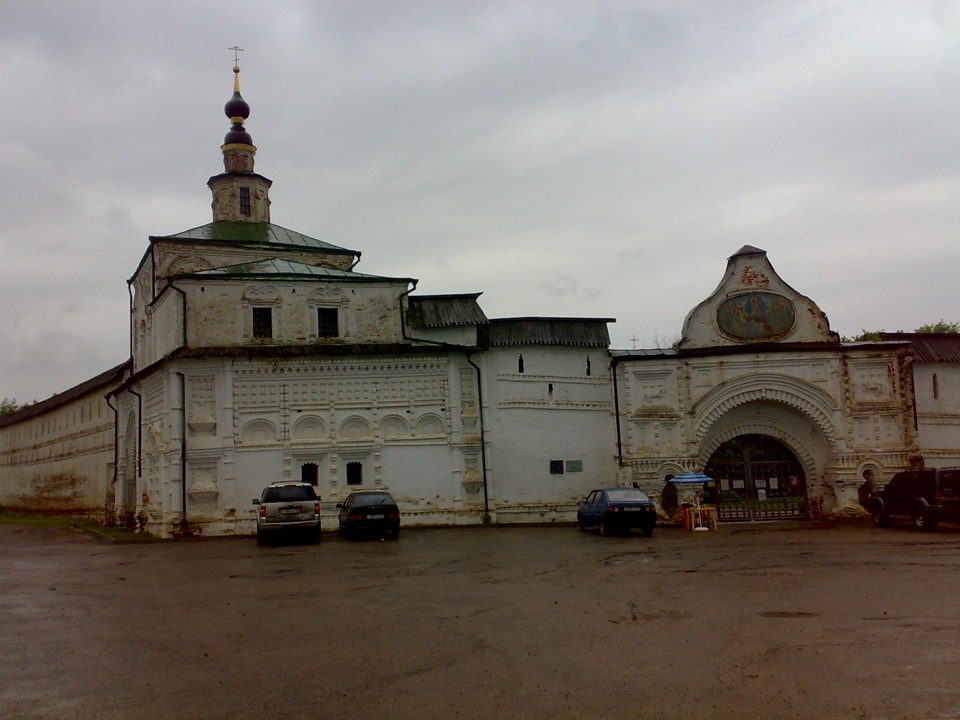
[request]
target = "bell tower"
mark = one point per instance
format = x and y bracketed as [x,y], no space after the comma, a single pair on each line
[239,194]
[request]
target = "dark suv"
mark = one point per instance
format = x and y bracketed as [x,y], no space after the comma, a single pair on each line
[925,496]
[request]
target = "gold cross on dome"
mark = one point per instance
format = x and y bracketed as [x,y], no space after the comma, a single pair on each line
[236,54]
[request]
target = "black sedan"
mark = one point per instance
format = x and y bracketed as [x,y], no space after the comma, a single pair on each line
[618,510]
[370,511]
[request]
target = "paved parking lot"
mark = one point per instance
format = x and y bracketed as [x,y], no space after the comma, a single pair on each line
[766,621]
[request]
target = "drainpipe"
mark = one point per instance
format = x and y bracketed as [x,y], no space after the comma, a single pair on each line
[133,328]
[116,457]
[614,362]
[183,453]
[483,440]
[139,397]
[467,351]
[139,430]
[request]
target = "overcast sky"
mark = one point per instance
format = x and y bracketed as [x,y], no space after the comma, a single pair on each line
[566,158]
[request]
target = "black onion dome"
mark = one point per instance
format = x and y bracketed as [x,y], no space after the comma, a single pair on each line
[237,110]
[236,107]
[237,135]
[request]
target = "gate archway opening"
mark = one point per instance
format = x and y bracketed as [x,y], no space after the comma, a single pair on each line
[758,478]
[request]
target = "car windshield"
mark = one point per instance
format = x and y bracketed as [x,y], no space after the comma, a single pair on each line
[289,493]
[373,499]
[626,495]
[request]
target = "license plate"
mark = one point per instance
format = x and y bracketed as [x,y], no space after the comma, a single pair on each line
[289,511]
[632,509]
[374,517]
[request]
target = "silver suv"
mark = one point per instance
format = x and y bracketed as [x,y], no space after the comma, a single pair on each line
[288,507]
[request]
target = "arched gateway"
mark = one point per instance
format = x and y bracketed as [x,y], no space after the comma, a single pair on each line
[758,478]
[762,394]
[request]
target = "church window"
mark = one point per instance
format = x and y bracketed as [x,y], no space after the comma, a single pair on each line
[556,467]
[328,322]
[262,323]
[244,201]
[936,387]
[354,473]
[588,366]
[520,364]
[309,473]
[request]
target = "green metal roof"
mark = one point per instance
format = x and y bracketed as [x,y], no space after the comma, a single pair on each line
[278,267]
[244,233]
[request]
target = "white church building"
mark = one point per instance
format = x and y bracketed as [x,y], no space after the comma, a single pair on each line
[259,354]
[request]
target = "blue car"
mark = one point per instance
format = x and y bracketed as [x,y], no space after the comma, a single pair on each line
[618,510]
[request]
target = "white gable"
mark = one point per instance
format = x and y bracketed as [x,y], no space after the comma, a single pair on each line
[754,305]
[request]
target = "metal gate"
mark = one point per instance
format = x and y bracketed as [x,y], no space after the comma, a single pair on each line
[757,478]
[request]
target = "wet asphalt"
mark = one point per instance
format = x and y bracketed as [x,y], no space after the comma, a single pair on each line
[789,620]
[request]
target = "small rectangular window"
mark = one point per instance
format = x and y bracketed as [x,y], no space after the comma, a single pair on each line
[244,201]
[354,473]
[309,473]
[574,466]
[556,467]
[262,323]
[328,323]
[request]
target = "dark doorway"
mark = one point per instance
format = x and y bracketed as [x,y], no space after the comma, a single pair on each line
[758,478]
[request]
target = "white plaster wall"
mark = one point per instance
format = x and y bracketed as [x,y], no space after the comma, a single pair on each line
[165,328]
[62,460]
[938,412]
[551,411]
[219,312]
[838,410]
[252,422]
[749,271]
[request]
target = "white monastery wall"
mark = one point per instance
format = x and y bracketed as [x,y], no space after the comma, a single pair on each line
[937,389]
[840,412]
[550,430]
[408,422]
[60,460]
[162,329]
[219,313]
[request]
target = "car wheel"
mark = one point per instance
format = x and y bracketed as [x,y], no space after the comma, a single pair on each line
[315,535]
[261,540]
[921,521]
[879,519]
[393,534]
[604,528]
[647,530]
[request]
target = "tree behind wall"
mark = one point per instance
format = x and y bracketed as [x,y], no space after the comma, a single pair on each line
[939,327]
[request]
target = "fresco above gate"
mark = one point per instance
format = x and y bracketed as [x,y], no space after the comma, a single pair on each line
[756,316]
